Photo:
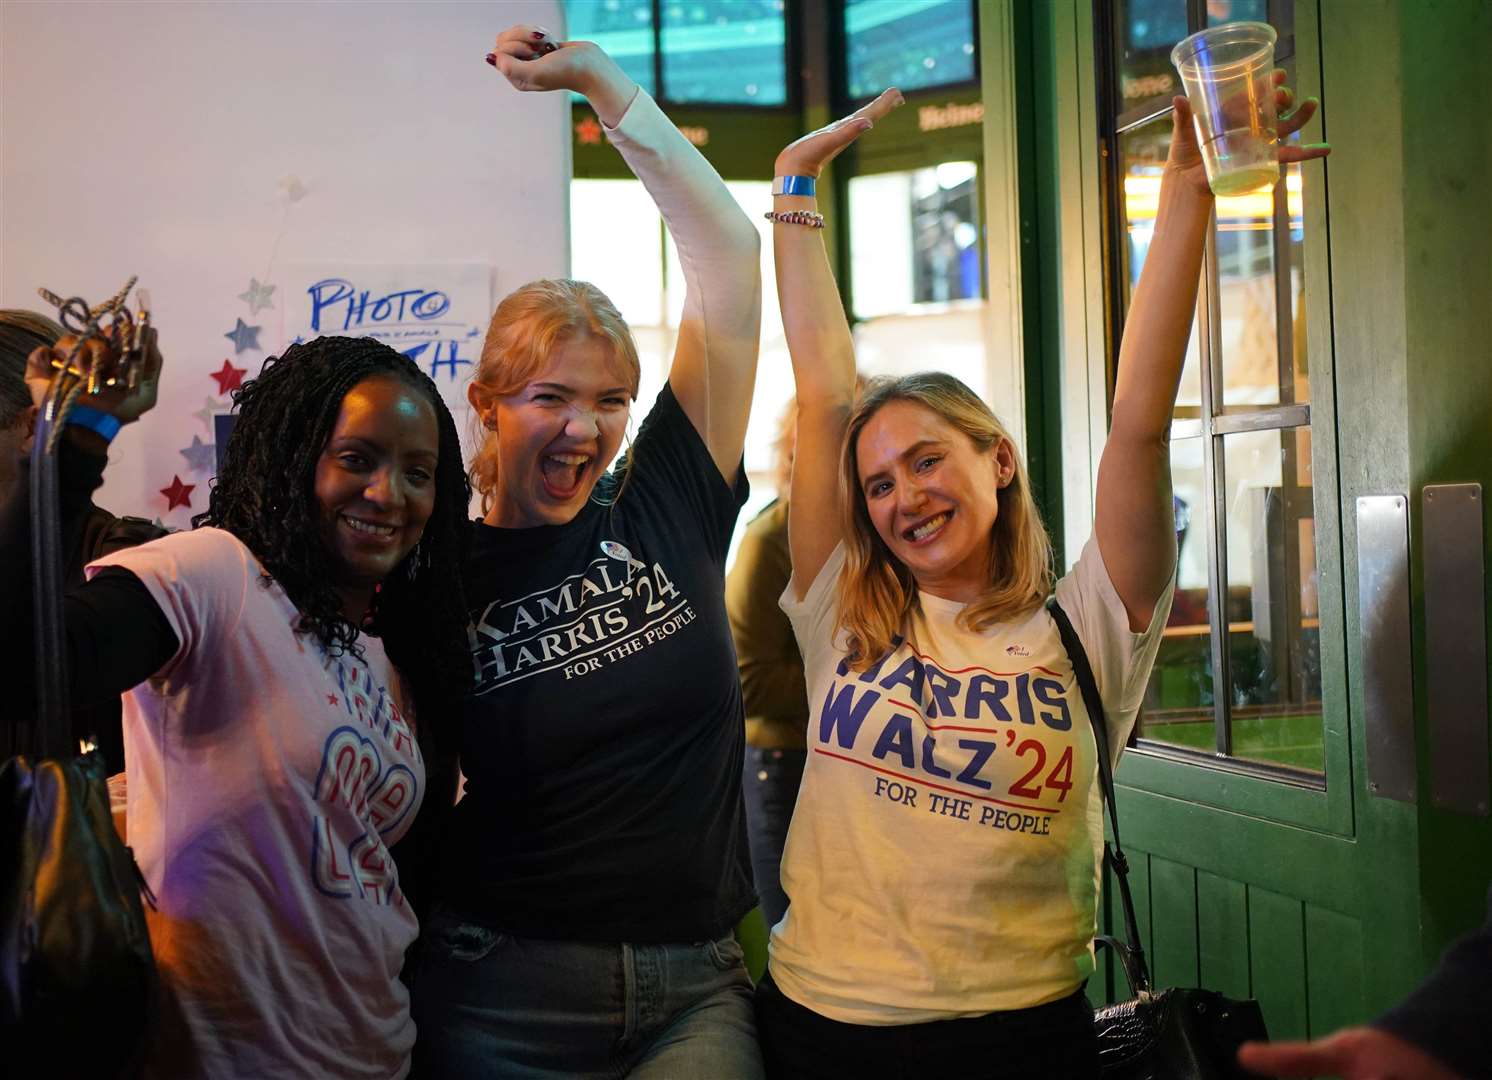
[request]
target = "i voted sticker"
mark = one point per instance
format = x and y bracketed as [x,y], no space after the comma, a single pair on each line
[616,550]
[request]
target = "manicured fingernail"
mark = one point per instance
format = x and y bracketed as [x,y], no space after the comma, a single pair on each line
[492,59]
[538,35]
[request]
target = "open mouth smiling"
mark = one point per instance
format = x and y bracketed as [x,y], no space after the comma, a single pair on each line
[368,528]
[927,528]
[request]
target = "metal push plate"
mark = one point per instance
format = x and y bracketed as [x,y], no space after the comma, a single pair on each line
[1456,646]
[1387,667]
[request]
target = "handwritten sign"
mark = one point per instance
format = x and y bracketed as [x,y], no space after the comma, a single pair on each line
[434,314]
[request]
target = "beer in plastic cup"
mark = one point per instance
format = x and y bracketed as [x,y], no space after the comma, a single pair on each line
[1228,74]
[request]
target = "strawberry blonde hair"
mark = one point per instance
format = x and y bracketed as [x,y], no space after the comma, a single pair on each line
[876,592]
[527,326]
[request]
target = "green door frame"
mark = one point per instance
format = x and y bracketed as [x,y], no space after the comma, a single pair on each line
[1324,903]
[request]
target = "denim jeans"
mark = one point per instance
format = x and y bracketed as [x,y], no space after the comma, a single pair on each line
[487,1004]
[1055,1041]
[769,785]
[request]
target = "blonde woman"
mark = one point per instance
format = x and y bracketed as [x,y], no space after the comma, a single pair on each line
[597,866]
[942,866]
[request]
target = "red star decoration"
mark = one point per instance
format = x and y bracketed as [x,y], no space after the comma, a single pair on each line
[229,377]
[178,494]
[588,130]
[331,699]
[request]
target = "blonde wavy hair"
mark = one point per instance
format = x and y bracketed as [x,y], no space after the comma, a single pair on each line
[526,327]
[876,592]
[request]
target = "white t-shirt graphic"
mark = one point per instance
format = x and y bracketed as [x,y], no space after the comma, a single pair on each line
[943,859]
[267,781]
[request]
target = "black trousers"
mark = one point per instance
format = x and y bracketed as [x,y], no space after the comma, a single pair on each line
[1055,1041]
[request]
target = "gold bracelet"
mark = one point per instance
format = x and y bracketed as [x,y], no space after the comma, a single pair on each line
[812,218]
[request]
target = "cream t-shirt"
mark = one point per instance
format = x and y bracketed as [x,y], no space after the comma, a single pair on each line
[943,859]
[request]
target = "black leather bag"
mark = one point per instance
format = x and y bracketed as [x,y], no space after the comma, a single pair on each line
[1173,1034]
[77,977]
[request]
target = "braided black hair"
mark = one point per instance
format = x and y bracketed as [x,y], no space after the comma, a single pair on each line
[264,494]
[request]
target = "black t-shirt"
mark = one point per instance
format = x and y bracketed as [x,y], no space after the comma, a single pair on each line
[602,744]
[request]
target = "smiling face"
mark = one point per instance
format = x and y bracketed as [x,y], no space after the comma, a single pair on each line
[557,434]
[375,484]
[932,496]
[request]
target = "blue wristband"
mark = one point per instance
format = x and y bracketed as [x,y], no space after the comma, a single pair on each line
[104,424]
[794,185]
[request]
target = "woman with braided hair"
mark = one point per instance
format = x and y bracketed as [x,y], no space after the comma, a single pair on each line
[287,664]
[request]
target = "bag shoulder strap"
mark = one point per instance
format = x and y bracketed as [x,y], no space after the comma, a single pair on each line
[1133,954]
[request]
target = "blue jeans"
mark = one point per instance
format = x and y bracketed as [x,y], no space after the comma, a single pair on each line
[487,1004]
[769,786]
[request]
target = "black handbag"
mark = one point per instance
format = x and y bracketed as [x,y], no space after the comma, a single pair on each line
[1180,1033]
[78,985]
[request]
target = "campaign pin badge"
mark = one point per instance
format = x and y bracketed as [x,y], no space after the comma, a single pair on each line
[616,550]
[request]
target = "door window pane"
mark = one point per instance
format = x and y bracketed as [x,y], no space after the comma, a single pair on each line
[1226,11]
[1145,31]
[1274,637]
[1261,278]
[1178,705]
[911,44]
[1143,153]
[722,53]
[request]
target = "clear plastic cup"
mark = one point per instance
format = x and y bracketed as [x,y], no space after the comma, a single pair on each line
[1227,71]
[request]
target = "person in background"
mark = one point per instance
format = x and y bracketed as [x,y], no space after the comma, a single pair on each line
[95,532]
[772,688]
[595,870]
[1441,1031]
[289,664]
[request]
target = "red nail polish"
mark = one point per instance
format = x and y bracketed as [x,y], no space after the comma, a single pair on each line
[492,59]
[538,35]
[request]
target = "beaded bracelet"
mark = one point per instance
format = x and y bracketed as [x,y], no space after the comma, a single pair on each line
[812,218]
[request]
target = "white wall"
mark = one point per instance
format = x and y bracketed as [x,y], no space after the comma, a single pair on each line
[152,138]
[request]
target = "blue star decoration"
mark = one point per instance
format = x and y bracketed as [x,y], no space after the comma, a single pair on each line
[243,337]
[201,456]
[257,296]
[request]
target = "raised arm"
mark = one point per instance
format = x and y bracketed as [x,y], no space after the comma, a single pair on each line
[714,366]
[116,635]
[819,342]
[1134,520]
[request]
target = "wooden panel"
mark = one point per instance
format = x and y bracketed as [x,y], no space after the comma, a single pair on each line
[1277,962]
[1173,907]
[1139,885]
[1222,935]
[1334,971]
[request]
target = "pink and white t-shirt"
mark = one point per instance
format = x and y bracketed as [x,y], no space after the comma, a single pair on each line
[267,781]
[943,859]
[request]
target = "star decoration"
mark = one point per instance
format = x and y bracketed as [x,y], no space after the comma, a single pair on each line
[229,377]
[210,408]
[331,699]
[588,131]
[201,456]
[178,494]
[257,296]
[243,337]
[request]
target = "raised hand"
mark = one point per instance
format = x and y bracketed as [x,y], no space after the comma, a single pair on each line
[1185,158]
[807,156]
[123,404]
[1355,1054]
[531,59]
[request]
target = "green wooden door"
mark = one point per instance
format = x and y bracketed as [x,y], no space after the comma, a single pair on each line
[1268,859]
